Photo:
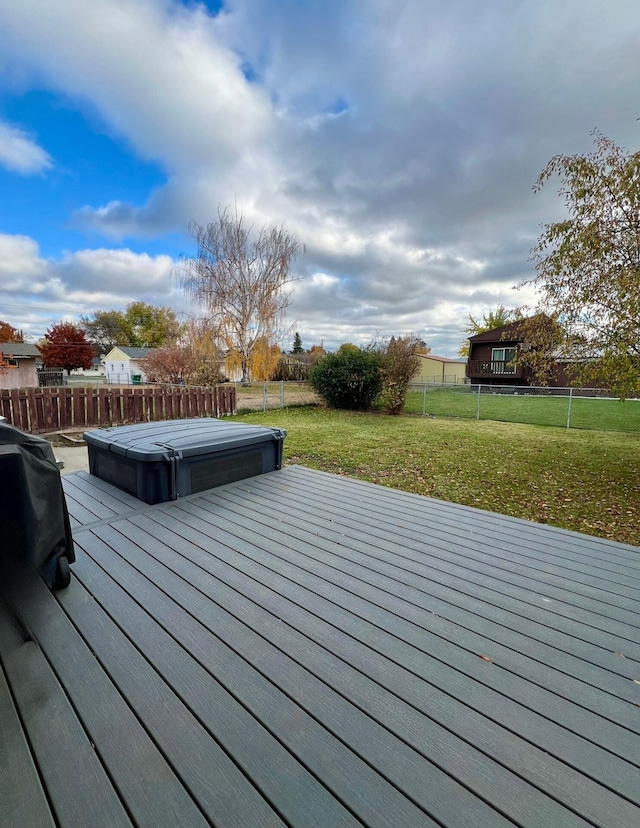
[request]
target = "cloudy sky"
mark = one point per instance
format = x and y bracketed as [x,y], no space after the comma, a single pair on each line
[397,139]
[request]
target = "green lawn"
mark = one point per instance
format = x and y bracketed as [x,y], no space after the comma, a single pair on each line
[591,413]
[582,480]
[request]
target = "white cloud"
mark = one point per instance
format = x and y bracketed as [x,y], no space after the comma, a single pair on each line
[109,270]
[36,292]
[154,71]
[19,258]
[21,154]
[399,141]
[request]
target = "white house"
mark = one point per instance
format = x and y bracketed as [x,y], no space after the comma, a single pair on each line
[123,365]
[97,369]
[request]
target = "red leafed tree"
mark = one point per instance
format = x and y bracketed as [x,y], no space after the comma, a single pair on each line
[173,364]
[65,346]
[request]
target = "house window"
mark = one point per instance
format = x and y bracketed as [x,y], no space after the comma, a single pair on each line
[501,360]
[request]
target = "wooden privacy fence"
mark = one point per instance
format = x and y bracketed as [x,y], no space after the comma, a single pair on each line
[56,409]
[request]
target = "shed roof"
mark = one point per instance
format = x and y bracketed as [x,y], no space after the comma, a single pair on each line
[304,649]
[20,349]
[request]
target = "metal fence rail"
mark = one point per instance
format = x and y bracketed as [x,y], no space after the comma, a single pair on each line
[584,408]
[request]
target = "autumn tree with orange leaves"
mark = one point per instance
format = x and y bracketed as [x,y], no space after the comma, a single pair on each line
[10,334]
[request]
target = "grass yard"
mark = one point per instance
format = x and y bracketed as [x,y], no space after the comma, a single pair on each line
[587,481]
[591,413]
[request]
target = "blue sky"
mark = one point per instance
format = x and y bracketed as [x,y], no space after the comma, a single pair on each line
[89,166]
[398,140]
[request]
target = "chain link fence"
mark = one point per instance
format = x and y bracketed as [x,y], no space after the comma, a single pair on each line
[262,396]
[585,408]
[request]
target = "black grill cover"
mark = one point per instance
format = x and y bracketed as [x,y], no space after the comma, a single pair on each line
[35,529]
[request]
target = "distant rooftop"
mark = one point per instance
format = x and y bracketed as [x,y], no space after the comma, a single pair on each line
[135,353]
[442,359]
[19,349]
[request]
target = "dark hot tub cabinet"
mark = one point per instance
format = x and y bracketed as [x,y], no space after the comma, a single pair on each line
[163,461]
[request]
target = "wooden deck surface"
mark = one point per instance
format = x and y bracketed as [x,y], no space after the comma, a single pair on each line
[301,649]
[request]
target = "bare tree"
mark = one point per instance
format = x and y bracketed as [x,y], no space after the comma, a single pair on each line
[242,282]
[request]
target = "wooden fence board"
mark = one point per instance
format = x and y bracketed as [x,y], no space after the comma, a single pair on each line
[117,414]
[178,411]
[79,414]
[155,409]
[66,407]
[168,403]
[15,413]
[5,404]
[32,409]
[57,408]
[127,405]
[47,409]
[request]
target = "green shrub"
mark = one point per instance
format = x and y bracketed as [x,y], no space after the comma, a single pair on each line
[351,379]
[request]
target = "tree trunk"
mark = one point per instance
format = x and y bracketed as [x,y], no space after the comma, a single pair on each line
[246,380]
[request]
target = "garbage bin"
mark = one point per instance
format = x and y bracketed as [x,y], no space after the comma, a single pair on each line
[36,533]
[136,379]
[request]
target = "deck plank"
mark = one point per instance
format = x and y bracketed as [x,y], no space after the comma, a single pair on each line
[273,770]
[459,719]
[439,622]
[146,783]
[545,626]
[80,513]
[308,650]
[402,558]
[451,545]
[106,494]
[90,499]
[77,783]
[558,541]
[456,670]
[221,791]
[510,793]
[97,486]
[21,793]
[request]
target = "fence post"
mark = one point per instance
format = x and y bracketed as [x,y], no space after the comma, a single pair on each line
[264,395]
[569,411]
[424,400]
[478,406]
[281,393]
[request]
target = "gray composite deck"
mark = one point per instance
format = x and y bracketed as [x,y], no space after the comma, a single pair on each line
[307,650]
